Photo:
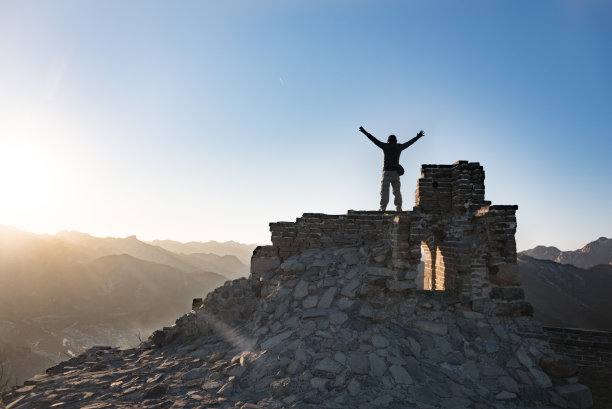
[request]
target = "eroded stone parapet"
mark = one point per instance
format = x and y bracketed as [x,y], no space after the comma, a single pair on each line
[317,230]
[264,258]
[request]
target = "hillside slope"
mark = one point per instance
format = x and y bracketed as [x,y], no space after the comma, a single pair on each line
[567,296]
[57,297]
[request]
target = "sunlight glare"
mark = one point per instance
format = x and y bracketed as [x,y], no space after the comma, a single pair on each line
[31,183]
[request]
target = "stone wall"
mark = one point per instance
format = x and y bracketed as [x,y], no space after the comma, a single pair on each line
[316,230]
[588,348]
[592,352]
[464,238]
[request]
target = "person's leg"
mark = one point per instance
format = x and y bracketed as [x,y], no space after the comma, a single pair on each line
[395,184]
[384,191]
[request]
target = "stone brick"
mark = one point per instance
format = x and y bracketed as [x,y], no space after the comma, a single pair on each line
[558,366]
[577,395]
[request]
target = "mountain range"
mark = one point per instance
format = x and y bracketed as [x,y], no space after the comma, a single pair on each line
[62,293]
[594,253]
[242,252]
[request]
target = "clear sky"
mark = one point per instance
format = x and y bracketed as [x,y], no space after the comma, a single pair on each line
[200,120]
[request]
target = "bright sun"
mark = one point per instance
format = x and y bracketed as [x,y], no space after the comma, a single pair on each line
[30,183]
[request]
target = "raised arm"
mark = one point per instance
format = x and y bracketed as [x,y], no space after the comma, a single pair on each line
[413,140]
[371,137]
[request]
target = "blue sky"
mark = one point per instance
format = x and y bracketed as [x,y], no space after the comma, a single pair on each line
[208,120]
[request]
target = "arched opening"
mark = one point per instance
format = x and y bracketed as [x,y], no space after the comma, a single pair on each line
[433,267]
[427,275]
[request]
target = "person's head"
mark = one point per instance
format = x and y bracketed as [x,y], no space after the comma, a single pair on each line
[392,139]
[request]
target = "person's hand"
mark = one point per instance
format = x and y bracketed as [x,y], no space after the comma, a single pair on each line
[421,134]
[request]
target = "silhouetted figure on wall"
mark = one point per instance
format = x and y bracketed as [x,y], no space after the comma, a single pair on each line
[392,169]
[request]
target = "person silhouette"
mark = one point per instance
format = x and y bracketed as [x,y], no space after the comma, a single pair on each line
[392,170]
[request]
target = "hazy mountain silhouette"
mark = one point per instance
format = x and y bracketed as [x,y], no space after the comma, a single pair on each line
[220,262]
[229,248]
[60,294]
[596,252]
[228,266]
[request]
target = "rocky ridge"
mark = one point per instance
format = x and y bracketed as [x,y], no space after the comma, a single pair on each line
[330,318]
[327,328]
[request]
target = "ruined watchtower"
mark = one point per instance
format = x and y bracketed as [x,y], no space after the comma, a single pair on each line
[464,238]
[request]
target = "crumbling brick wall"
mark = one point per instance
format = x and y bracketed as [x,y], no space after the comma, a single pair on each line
[591,350]
[464,237]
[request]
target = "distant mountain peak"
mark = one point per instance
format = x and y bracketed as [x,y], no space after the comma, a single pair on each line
[230,248]
[593,253]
